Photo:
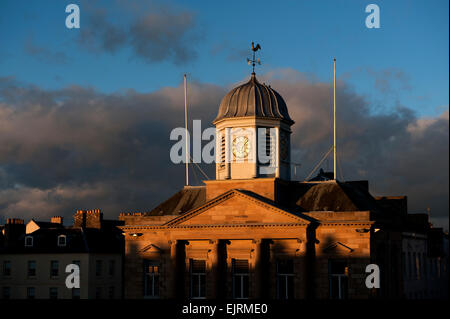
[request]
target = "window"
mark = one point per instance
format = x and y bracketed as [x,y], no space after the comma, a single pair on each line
[404,270]
[28,241]
[62,240]
[425,266]
[111,292]
[222,150]
[75,293]
[415,267]
[54,268]
[240,278]
[285,279]
[98,293]
[111,268]
[53,293]
[151,279]
[338,279]
[268,142]
[98,268]
[420,256]
[31,293]
[6,268]
[410,267]
[198,278]
[6,293]
[31,268]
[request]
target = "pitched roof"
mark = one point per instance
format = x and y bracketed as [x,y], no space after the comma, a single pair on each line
[333,196]
[78,240]
[190,197]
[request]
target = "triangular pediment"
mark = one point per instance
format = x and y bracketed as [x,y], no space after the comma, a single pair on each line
[237,207]
[151,248]
[337,248]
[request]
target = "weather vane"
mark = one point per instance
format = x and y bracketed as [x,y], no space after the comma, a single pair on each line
[253,61]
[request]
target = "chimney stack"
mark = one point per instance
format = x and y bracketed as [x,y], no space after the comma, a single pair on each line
[14,228]
[88,218]
[56,220]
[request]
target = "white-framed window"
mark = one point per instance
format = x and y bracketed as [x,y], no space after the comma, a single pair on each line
[98,268]
[338,276]
[53,293]
[29,241]
[31,270]
[76,293]
[197,270]
[151,279]
[241,278]
[111,293]
[6,293]
[6,268]
[62,241]
[112,268]
[54,268]
[98,293]
[31,293]
[285,279]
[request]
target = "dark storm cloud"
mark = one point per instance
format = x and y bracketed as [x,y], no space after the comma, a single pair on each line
[397,152]
[161,33]
[77,148]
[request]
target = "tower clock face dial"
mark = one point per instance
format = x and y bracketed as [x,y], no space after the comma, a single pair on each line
[241,147]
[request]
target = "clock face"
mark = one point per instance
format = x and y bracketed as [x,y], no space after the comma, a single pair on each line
[241,147]
[284,149]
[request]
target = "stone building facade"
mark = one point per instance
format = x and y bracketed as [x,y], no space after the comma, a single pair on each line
[254,233]
[33,258]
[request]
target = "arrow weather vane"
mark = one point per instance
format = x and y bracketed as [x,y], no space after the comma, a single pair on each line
[253,61]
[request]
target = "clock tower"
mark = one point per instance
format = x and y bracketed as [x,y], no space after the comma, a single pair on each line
[253,133]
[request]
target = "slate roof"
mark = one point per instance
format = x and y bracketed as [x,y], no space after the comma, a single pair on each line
[333,196]
[47,224]
[78,240]
[188,198]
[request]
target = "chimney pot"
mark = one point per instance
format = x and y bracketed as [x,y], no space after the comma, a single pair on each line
[57,220]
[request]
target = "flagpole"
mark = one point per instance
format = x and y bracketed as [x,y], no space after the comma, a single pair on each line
[187,135]
[334,119]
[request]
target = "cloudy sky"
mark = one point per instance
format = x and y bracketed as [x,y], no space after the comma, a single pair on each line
[85,114]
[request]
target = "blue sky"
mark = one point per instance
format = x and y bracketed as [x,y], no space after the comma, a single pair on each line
[85,114]
[302,35]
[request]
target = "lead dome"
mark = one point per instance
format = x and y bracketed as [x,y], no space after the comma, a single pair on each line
[253,99]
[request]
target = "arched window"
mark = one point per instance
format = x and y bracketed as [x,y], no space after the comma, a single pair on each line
[62,240]
[29,241]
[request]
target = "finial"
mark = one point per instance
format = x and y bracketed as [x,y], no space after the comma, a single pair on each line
[253,61]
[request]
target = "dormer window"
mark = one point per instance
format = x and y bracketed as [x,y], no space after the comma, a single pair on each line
[29,241]
[62,241]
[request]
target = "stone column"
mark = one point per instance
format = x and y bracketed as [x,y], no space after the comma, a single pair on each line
[277,151]
[261,287]
[172,273]
[215,258]
[177,256]
[254,145]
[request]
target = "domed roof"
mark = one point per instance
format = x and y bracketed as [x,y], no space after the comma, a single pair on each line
[253,99]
